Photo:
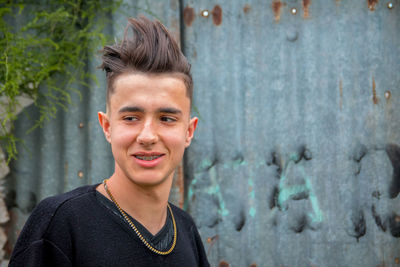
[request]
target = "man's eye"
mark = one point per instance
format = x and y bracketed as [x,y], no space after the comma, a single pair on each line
[130,118]
[167,119]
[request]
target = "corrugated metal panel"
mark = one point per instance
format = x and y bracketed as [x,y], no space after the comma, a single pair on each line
[70,150]
[297,154]
[296,157]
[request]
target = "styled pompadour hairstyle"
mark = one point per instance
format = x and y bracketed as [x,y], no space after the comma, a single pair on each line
[147,47]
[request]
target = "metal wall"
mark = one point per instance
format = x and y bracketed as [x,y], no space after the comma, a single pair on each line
[296,160]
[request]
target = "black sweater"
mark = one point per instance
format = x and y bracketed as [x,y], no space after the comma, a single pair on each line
[76,229]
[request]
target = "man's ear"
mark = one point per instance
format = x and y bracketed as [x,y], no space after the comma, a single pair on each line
[190,131]
[105,124]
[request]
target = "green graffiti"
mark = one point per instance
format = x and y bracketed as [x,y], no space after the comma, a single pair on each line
[251,187]
[214,189]
[317,216]
[205,164]
[287,192]
[252,212]
[190,193]
[235,164]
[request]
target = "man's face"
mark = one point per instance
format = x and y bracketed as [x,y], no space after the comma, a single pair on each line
[148,126]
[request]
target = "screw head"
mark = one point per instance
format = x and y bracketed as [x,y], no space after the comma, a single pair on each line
[387,94]
[390,5]
[205,13]
[294,11]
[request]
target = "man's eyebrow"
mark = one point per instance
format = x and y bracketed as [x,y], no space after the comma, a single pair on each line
[140,109]
[131,109]
[170,110]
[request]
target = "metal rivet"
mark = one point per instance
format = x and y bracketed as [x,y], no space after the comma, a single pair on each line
[81,125]
[387,94]
[390,5]
[205,13]
[292,34]
[80,174]
[294,11]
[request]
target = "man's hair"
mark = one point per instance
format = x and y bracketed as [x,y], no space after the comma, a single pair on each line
[148,48]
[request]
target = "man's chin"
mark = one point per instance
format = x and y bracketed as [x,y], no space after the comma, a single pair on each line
[149,182]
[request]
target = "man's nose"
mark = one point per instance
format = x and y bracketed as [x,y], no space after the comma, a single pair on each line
[148,134]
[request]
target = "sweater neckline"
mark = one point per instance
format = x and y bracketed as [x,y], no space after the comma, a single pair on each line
[161,240]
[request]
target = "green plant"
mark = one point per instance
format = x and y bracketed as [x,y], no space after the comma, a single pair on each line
[45,58]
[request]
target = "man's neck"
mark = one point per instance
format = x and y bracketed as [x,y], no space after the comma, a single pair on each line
[148,205]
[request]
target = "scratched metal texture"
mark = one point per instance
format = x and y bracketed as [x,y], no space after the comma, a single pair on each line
[296,157]
[70,150]
[296,160]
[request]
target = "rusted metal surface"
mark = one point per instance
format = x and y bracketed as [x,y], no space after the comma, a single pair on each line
[294,162]
[277,9]
[246,8]
[177,195]
[188,16]
[372,4]
[375,98]
[341,93]
[217,15]
[306,7]
[224,264]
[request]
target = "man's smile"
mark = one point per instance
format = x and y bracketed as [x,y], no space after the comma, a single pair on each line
[148,159]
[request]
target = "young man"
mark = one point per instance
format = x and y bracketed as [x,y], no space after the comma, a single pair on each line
[127,220]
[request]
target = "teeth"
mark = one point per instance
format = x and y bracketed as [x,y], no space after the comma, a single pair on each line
[148,158]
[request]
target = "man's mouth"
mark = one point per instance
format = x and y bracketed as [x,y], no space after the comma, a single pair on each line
[147,158]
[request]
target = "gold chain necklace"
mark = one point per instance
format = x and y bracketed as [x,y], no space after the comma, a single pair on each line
[129,221]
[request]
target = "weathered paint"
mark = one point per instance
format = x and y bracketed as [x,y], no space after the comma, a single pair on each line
[277,9]
[217,15]
[252,198]
[371,4]
[291,129]
[341,93]
[215,189]
[306,8]
[298,191]
[224,264]
[375,98]
[188,15]
[281,161]
[246,8]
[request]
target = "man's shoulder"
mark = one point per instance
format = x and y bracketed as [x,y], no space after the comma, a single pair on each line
[42,216]
[51,204]
[49,207]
